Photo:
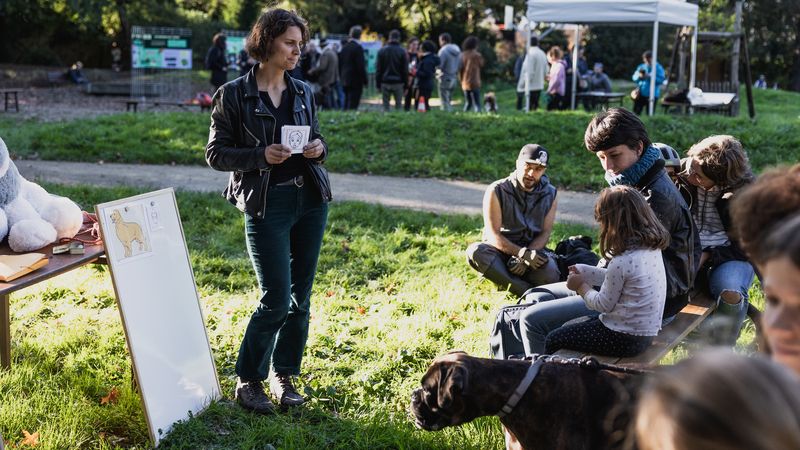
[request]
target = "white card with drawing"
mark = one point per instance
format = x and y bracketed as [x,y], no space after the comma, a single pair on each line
[295,137]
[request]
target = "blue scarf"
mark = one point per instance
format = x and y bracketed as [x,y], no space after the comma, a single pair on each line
[634,173]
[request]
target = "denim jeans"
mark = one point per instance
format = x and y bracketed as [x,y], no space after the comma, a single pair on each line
[473,100]
[446,87]
[731,276]
[557,305]
[284,247]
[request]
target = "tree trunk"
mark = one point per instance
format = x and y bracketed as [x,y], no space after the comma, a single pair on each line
[794,74]
[124,39]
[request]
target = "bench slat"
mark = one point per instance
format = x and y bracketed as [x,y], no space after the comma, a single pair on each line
[690,317]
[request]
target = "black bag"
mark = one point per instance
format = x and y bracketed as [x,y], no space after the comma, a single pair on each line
[574,250]
[505,341]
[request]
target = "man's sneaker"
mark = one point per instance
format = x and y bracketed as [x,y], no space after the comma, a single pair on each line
[283,390]
[250,395]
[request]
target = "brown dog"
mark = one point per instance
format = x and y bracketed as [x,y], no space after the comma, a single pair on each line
[566,407]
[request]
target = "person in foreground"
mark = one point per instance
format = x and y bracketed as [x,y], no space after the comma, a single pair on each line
[720,401]
[766,222]
[632,290]
[518,216]
[284,200]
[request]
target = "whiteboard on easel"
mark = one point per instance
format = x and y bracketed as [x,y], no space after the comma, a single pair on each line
[159,306]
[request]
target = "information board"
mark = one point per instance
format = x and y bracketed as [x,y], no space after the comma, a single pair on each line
[161,51]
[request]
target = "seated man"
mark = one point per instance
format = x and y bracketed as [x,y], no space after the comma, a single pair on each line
[518,216]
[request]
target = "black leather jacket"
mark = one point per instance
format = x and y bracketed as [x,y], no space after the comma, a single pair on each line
[242,127]
[683,254]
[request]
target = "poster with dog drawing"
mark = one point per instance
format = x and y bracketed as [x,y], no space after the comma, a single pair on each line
[130,233]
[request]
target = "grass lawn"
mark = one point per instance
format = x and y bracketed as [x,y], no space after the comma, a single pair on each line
[467,146]
[392,292]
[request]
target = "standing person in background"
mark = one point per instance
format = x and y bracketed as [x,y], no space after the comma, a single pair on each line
[245,61]
[284,198]
[450,57]
[217,62]
[532,73]
[326,73]
[116,57]
[353,69]
[641,76]
[556,82]
[470,74]
[412,51]
[337,87]
[428,63]
[392,71]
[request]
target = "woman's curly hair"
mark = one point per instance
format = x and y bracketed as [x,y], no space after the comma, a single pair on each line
[271,24]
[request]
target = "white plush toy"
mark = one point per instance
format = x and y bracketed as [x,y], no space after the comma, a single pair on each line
[29,216]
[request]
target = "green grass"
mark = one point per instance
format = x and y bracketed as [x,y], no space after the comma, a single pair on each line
[456,146]
[393,291]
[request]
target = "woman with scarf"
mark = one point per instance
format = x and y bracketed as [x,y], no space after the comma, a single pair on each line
[620,141]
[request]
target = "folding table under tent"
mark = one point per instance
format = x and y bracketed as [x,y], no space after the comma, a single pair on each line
[579,12]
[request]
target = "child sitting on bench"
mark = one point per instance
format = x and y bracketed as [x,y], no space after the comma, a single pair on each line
[623,316]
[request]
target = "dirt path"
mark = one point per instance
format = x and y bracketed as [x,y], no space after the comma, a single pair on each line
[423,194]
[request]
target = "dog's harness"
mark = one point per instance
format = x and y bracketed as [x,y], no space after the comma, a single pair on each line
[537,361]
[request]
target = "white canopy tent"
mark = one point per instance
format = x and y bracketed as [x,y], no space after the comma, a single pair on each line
[673,12]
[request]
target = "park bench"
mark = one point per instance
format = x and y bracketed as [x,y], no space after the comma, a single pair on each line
[686,321]
[55,78]
[10,94]
[133,104]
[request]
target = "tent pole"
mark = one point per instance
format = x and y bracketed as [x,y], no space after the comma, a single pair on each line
[525,66]
[652,100]
[575,50]
[693,70]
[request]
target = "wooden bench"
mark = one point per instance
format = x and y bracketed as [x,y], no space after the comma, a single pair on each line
[56,78]
[686,321]
[9,94]
[133,104]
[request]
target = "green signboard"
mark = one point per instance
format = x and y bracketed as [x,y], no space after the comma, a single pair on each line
[161,51]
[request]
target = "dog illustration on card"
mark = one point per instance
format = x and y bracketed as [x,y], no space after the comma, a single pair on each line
[128,233]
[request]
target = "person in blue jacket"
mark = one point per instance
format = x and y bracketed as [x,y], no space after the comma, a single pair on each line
[426,70]
[642,78]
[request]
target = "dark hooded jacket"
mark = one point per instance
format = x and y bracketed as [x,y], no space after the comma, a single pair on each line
[426,70]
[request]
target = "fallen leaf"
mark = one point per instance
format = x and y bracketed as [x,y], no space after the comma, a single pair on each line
[111,398]
[361,310]
[31,440]
[330,294]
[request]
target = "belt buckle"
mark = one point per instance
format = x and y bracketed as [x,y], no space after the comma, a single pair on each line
[298,181]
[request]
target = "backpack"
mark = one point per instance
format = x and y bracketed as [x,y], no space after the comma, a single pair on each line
[574,250]
[505,340]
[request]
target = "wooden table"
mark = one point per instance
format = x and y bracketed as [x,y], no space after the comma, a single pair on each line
[8,94]
[601,98]
[58,264]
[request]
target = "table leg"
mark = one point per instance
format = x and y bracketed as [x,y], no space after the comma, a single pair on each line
[5,332]
[5,96]
[16,102]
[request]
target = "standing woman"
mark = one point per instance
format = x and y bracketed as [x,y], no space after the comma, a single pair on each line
[217,62]
[284,200]
[470,74]
[412,52]
[556,85]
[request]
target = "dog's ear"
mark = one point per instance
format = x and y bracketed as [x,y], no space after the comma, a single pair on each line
[452,381]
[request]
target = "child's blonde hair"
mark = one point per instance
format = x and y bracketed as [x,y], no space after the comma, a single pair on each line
[627,222]
[720,401]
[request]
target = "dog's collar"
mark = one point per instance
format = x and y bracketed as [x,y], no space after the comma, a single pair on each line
[512,401]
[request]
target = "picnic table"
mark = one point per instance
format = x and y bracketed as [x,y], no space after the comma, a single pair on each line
[9,94]
[133,104]
[601,98]
[57,265]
